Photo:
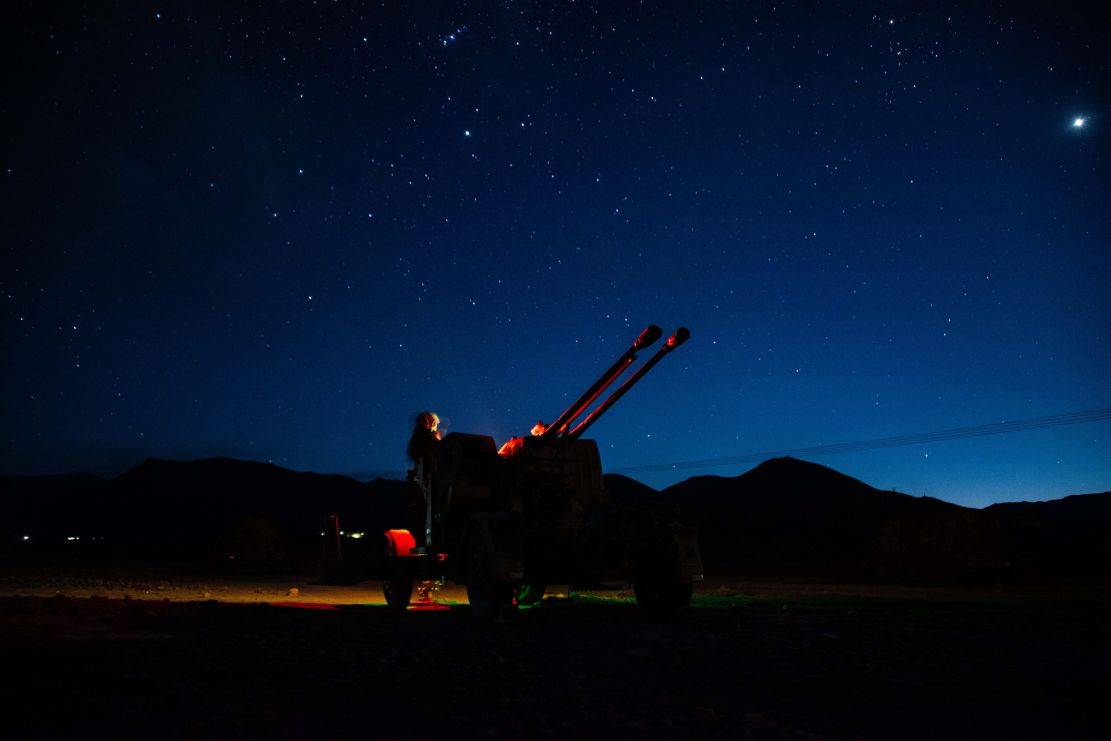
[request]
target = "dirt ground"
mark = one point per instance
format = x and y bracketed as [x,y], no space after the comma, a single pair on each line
[249,658]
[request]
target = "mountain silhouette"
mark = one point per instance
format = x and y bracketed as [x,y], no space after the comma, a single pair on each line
[785,517]
[208,507]
[1060,536]
[624,491]
[788,516]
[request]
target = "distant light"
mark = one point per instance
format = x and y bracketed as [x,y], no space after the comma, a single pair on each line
[73,537]
[26,537]
[356,536]
[1078,123]
[467,133]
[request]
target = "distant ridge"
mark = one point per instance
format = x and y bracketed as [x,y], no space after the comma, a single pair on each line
[796,517]
[209,506]
[792,517]
[784,517]
[1061,535]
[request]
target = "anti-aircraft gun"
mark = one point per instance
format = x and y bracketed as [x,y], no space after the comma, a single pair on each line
[506,522]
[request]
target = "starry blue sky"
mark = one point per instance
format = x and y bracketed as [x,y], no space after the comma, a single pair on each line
[277,233]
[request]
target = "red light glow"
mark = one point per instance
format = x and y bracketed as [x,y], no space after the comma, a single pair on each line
[511,447]
[401,542]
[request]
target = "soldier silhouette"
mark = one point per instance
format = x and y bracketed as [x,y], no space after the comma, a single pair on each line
[423,444]
[424,441]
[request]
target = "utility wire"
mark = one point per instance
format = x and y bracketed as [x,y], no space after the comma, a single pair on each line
[956,433]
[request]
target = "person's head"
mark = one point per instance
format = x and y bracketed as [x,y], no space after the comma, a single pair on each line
[428,421]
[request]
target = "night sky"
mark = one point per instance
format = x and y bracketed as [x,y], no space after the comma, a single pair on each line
[278,232]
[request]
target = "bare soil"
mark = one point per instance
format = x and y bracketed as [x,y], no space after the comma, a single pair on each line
[759,660]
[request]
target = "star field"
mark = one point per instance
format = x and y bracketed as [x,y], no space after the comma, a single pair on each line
[277,233]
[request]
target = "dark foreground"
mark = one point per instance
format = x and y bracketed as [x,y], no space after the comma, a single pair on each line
[733,666]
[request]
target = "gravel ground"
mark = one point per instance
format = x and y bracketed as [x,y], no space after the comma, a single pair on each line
[748,660]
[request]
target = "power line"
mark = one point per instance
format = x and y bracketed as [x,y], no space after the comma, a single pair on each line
[956,433]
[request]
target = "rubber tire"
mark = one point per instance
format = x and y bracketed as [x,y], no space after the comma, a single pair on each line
[485,593]
[530,594]
[658,598]
[398,592]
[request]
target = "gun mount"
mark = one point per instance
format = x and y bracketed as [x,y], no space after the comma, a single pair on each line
[507,522]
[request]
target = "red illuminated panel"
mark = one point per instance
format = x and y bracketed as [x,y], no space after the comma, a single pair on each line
[401,542]
[511,447]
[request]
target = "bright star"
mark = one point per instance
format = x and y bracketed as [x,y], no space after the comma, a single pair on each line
[467,133]
[1078,123]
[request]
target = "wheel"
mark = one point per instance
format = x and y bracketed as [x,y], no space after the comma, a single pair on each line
[661,598]
[485,593]
[529,594]
[398,591]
